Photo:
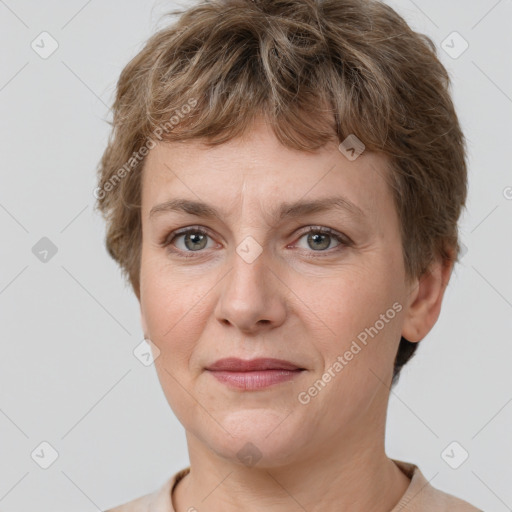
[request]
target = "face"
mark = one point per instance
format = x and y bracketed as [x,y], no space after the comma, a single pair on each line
[321,288]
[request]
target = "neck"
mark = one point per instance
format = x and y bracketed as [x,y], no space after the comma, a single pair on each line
[351,472]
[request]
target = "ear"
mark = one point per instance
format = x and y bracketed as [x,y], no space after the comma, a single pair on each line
[425,298]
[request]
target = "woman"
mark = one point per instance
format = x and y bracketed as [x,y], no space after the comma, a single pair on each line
[282,189]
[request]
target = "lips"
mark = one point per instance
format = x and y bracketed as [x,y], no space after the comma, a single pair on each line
[254,374]
[233,364]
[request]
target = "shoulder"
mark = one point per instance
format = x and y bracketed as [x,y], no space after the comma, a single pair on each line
[421,496]
[156,501]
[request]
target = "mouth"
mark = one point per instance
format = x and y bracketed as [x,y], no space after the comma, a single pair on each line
[253,374]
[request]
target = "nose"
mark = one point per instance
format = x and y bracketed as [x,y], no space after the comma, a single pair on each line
[252,296]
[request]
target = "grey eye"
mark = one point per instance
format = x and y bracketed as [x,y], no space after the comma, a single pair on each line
[193,241]
[319,241]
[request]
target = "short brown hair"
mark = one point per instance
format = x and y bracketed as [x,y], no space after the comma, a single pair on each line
[317,70]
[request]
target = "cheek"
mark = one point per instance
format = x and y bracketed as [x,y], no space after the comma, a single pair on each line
[174,311]
[359,308]
[174,315]
[359,347]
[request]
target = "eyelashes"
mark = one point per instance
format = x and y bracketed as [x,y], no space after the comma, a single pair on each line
[168,241]
[326,232]
[204,234]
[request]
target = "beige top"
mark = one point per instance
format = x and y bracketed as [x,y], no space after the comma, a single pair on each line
[419,497]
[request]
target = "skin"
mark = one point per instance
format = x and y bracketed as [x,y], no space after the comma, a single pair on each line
[293,302]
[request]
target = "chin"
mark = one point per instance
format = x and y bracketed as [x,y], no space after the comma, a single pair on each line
[259,438]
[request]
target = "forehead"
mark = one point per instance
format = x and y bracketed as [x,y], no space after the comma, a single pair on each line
[258,169]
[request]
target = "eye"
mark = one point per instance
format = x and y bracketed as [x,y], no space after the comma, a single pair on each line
[320,239]
[193,239]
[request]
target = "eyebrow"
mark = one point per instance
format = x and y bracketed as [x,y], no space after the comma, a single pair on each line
[285,210]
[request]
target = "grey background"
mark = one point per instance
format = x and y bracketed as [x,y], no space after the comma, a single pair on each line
[68,375]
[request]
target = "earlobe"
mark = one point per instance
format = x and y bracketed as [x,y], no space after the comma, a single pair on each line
[425,299]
